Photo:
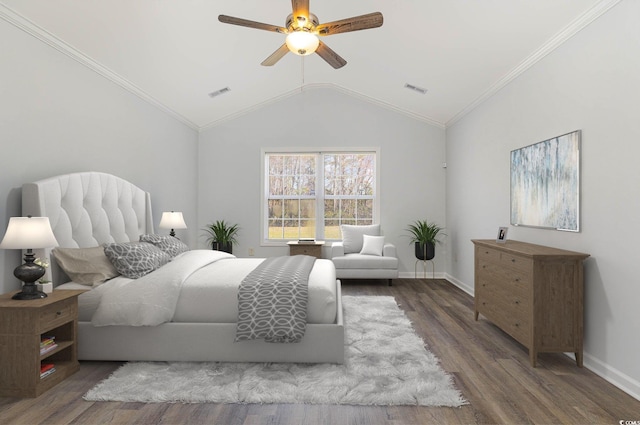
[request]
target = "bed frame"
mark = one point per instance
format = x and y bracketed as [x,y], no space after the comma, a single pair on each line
[91,208]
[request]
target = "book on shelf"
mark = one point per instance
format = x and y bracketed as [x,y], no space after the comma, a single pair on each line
[47,343]
[46,340]
[46,369]
[46,349]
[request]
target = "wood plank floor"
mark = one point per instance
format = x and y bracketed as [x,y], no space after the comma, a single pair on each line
[491,370]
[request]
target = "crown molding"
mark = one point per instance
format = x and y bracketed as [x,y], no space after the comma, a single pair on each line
[43,35]
[553,43]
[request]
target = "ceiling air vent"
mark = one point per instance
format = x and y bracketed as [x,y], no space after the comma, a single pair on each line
[415,88]
[219,92]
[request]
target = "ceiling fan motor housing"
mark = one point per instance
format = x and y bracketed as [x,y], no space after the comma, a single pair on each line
[302,23]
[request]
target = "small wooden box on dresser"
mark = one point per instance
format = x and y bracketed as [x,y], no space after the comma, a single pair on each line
[22,325]
[532,292]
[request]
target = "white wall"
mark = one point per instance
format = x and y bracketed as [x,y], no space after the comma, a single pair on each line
[57,116]
[592,83]
[411,157]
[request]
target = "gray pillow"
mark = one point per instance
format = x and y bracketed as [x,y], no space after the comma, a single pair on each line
[135,259]
[87,266]
[352,236]
[169,244]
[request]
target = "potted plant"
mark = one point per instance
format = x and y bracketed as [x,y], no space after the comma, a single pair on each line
[425,237]
[222,235]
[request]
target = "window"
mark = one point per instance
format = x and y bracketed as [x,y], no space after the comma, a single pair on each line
[310,194]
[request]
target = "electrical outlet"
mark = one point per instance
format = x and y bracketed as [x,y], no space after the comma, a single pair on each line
[251,252]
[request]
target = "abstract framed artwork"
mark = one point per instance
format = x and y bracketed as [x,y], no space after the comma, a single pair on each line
[545,184]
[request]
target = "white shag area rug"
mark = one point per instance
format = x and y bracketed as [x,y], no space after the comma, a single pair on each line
[386,363]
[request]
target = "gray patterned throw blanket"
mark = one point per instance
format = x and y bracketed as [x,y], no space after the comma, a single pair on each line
[272,300]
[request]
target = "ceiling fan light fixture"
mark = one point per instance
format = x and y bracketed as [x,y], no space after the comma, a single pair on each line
[302,42]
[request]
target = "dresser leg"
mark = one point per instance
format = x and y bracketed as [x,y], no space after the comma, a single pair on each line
[533,357]
[476,314]
[579,358]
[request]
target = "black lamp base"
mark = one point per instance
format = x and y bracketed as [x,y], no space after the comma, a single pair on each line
[29,273]
[29,292]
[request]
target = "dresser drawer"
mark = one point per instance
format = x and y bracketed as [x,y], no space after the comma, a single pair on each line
[508,312]
[505,280]
[305,250]
[57,314]
[516,263]
[504,260]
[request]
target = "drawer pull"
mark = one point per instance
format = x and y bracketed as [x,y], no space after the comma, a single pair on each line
[517,279]
[58,313]
[513,260]
[517,302]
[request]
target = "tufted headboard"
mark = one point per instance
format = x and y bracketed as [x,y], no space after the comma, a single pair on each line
[88,209]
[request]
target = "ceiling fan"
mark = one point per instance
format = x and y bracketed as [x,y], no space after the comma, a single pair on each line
[303,28]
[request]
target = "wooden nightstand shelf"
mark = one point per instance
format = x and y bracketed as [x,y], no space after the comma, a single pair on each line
[22,325]
[313,249]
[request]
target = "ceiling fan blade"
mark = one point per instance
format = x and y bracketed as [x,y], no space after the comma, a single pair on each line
[276,56]
[331,57]
[356,23]
[251,24]
[300,8]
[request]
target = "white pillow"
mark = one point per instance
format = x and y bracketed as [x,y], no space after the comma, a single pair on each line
[352,236]
[372,245]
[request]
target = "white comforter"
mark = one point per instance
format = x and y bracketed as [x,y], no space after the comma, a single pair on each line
[151,300]
[197,286]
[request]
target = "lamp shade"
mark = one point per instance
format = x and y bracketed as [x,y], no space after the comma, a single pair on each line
[28,233]
[172,220]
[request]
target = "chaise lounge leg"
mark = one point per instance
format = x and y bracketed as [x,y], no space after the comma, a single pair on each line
[390,284]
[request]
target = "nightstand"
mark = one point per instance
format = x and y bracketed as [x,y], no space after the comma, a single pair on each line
[313,249]
[23,324]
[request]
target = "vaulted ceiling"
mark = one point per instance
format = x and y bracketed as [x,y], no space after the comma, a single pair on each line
[174,53]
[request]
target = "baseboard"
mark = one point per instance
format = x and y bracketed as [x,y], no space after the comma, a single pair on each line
[612,375]
[460,284]
[422,275]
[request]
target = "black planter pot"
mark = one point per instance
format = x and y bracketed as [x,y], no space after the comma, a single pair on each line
[425,252]
[224,247]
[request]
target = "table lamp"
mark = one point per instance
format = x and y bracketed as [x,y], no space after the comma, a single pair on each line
[172,220]
[29,233]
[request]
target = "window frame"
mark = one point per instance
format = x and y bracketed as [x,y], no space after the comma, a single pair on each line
[319,152]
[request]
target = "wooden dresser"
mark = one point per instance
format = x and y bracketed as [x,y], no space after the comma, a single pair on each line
[532,292]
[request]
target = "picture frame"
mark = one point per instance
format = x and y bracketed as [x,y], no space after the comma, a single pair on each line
[545,184]
[502,234]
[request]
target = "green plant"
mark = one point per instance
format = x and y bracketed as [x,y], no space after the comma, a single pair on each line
[423,232]
[221,232]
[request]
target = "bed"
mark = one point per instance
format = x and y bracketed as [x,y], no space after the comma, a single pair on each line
[89,209]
